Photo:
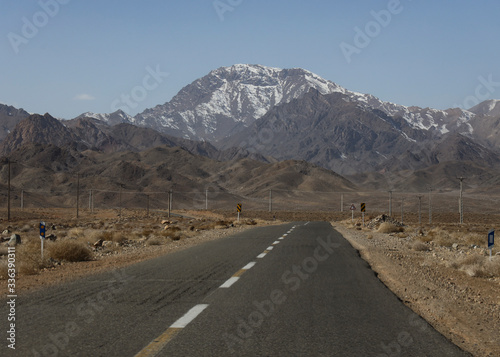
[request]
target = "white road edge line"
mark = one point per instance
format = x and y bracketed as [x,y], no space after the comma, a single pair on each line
[189,316]
[230,282]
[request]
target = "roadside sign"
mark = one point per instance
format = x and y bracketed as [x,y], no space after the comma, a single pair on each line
[42,235]
[353,207]
[491,240]
[42,230]
[238,208]
[363,207]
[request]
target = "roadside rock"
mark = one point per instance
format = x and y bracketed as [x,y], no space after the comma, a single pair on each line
[15,239]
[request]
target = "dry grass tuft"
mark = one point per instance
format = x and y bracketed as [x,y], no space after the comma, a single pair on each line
[478,266]
[420,247]
[26,228]
[387,227]
[3,270]
[70,251]
[475,239]
[155,240]
[76,232]
[425,239]
[440,236]
[119,237]
[29,257]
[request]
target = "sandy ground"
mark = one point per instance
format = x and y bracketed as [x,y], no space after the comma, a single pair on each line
[465,309]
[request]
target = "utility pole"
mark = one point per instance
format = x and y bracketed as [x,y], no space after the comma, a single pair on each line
[169,203]
[402,212]
[270,200]
[461,201]
[8,188]
[147,206]
[77,194]
[390,203]
[22,200]
[120,208]
[420,210]
[206,199]
[430,205]
[341,202]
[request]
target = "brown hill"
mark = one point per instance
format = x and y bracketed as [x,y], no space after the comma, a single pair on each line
[9,117]
[50,172]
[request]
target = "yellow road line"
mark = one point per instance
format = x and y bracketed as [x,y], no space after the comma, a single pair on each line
[161,341]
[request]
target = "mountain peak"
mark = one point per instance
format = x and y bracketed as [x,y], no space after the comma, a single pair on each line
[490,107]
[229,99]
[114,118]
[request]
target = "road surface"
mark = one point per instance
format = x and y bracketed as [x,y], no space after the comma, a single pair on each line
[297,289]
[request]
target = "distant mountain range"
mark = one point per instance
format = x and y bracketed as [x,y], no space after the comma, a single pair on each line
[269,114]
[229,99]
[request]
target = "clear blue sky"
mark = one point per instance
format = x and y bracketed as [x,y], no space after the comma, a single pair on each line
[82,55]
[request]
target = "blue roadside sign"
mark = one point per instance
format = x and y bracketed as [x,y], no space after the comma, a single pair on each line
[491,238]
[42,230]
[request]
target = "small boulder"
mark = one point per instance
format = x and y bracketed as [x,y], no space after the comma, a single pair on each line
[98,243]
[15,239]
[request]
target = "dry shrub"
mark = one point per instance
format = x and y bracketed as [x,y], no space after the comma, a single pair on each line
[106,235]
[171,235]
[425,239]
[29,257]
[70,250]
[440,237]
[476,239]
[207,226]
[445,241]
[3,270]
[478,266]
[387,227]
[173,229]
[26,228]
[76,232]
[119,237]
[176,236]
[420,247]
[155,240]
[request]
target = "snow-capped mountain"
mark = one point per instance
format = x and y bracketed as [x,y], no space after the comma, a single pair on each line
[117,117]
[229,99]
[489,107]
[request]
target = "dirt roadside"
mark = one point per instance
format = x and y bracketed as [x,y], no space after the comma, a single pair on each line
[463,308]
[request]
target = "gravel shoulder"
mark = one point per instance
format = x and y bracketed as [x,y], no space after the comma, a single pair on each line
[464,308]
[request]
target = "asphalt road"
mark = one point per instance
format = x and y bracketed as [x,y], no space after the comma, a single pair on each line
[297,289]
